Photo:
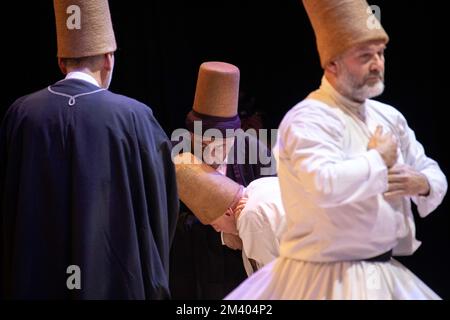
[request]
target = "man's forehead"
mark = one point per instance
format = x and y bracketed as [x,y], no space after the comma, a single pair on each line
[370,46]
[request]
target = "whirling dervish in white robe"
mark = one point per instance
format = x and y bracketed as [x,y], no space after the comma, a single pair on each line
[339,223]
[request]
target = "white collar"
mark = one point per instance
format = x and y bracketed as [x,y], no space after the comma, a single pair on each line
[82,76]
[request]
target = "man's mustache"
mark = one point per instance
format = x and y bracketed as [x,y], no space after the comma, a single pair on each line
[376,75]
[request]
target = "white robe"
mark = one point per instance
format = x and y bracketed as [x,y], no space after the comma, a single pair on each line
[332,190]
[261,223]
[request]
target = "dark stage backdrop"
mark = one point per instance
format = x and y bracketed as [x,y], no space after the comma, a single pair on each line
[162,43]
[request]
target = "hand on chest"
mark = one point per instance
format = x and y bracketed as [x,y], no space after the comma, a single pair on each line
[357,134]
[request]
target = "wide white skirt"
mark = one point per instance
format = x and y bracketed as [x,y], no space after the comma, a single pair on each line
[287,279]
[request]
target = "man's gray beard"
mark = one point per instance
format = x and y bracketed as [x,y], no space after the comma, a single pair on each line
[355,91]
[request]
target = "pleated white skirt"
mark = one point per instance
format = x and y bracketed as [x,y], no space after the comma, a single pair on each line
[287,279]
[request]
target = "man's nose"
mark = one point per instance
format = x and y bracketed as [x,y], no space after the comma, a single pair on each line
[377,64]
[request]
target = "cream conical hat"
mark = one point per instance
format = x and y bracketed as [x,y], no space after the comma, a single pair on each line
[207,193]
[83,28]
[341,24]
[217,89]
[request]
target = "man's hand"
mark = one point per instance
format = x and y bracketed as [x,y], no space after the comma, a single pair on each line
[385,144]
[404,180]
[232,241]
[239,207]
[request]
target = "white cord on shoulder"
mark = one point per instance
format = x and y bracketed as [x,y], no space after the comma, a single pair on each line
[72,98]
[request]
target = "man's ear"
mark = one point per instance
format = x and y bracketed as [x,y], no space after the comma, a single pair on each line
[62,66]
[332,67]
[109,61]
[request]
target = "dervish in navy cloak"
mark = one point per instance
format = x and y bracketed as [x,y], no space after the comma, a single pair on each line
[86,180]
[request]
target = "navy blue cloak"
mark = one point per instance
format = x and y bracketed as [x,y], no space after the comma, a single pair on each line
[90,185]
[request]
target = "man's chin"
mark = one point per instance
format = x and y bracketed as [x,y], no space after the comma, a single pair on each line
[375,90]
[369,91]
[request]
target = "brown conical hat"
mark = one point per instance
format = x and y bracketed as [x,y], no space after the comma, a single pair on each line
[217,89]
[341,24]
[206,192]
[83,28]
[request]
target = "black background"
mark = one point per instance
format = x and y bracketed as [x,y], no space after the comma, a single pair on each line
[162,43]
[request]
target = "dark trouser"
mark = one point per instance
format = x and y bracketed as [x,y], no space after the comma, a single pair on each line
[200,266]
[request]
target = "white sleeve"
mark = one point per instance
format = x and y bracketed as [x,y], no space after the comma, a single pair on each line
[311,143]
[259,241]
[414,155]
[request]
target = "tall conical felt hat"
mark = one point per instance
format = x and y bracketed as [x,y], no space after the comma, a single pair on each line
[217,89]
[207,193]
[83,28]
[341,24]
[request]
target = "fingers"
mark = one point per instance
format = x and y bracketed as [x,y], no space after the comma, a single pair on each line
[378,131]
[394,194]
[243,200]
[400,168]
[393,137]
[238,209]
[396,168]
[394,171]
[388,135]
[395,187]
[399,172]
[396,177]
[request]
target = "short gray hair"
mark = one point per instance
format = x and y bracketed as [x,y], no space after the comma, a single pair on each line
[91,62]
